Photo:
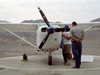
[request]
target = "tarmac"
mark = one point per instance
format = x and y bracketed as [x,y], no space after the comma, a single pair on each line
[11,54]
[38,65]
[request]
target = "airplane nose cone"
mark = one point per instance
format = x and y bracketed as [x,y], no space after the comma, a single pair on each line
[50,30]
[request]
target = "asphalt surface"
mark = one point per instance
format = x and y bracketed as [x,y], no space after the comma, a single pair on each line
[10,47]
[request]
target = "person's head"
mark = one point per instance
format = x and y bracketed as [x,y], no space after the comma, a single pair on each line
[67,27]
[74,24]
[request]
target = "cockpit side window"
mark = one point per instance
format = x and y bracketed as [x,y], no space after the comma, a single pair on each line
[43,29]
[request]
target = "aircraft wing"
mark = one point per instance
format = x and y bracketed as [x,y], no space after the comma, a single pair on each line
[84,26]
[20,27]
[11,28]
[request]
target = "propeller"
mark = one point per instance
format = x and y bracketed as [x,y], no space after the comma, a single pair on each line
[50,30]
[43,41]
[44,17]
[61,29]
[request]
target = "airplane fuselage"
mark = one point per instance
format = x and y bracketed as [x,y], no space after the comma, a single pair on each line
[53,42]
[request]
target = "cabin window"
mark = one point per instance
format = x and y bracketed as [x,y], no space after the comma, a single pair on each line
[43,29]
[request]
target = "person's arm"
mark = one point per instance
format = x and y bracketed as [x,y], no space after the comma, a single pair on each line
[83,35]
[82,38]
[75,39]
[66,37]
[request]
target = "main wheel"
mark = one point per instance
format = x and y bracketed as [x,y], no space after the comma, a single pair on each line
[49,60]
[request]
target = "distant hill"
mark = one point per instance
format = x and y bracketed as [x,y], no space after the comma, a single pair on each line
[96,20]
[4,21]
[36,21]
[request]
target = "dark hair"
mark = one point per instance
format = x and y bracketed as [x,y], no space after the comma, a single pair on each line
[74,23]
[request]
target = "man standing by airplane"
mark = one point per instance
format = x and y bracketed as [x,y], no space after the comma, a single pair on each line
[77,35]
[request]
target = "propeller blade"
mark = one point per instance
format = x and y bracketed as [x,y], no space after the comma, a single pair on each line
[43,41]
[61,29]
[44,17]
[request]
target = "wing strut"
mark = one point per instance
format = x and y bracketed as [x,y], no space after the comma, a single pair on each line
[19,37]
[88,28]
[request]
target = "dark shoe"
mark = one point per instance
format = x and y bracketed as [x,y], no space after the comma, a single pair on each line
[76,67]
[73,58]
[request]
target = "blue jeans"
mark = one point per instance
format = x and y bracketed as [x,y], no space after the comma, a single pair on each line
[77,52]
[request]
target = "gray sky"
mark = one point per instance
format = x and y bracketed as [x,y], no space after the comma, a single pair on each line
[65,11]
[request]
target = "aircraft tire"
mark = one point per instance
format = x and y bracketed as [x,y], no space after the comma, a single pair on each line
[49,60]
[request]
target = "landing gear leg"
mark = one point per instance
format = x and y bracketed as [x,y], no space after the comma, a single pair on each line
[50,59]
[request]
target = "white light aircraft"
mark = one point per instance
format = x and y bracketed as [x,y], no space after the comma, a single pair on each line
[48,36]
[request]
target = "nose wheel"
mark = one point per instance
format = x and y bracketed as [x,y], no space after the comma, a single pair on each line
[49,59]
